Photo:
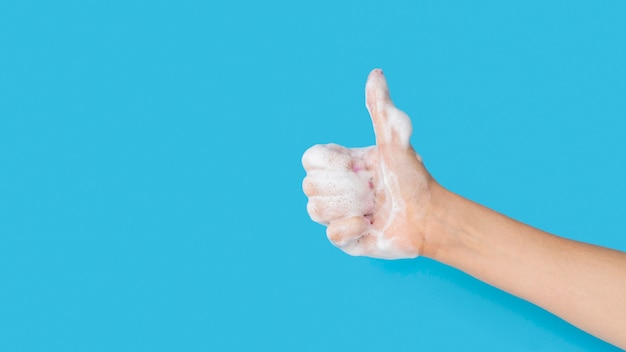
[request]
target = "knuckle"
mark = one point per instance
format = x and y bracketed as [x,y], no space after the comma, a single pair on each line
[310,155]
[316,211]
[308,186]
[334,235]
[345,231]
[325,156]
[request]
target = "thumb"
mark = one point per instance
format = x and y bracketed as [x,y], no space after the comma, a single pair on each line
[392,127]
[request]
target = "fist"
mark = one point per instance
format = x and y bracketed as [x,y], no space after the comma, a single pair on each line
[373,200]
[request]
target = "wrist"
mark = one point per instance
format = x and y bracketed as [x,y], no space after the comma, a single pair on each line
[444,227]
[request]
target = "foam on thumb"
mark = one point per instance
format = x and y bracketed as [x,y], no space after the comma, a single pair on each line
[391,126]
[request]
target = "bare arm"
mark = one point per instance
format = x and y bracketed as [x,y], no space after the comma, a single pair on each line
[381,202]
[581,283]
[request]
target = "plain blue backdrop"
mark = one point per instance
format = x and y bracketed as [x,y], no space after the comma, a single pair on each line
[150,177]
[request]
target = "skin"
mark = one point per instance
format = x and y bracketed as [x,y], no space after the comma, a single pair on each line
[395,209]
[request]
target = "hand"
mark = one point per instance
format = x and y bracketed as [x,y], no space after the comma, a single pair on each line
[374,200]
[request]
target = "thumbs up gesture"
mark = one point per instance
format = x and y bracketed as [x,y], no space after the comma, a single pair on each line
[373,200]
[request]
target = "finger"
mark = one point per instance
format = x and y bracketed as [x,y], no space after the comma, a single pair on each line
[392,127]
[326,157]
[324,209]
[365,245]
[330,183]
[342,232]
[325,183]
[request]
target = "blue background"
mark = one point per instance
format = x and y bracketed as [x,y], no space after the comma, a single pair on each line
[150,177]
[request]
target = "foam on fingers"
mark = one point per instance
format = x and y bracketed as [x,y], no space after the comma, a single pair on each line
[339,182]
[376,89]
[331,182]
[391,125]
[342,231]
[326,157]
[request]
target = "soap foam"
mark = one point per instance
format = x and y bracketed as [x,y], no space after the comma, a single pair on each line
[391,125]
[335,189]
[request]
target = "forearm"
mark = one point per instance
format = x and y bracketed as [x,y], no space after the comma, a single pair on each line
[581,283]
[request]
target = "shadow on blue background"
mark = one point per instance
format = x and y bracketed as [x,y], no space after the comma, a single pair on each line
[150,167]
[531,313]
